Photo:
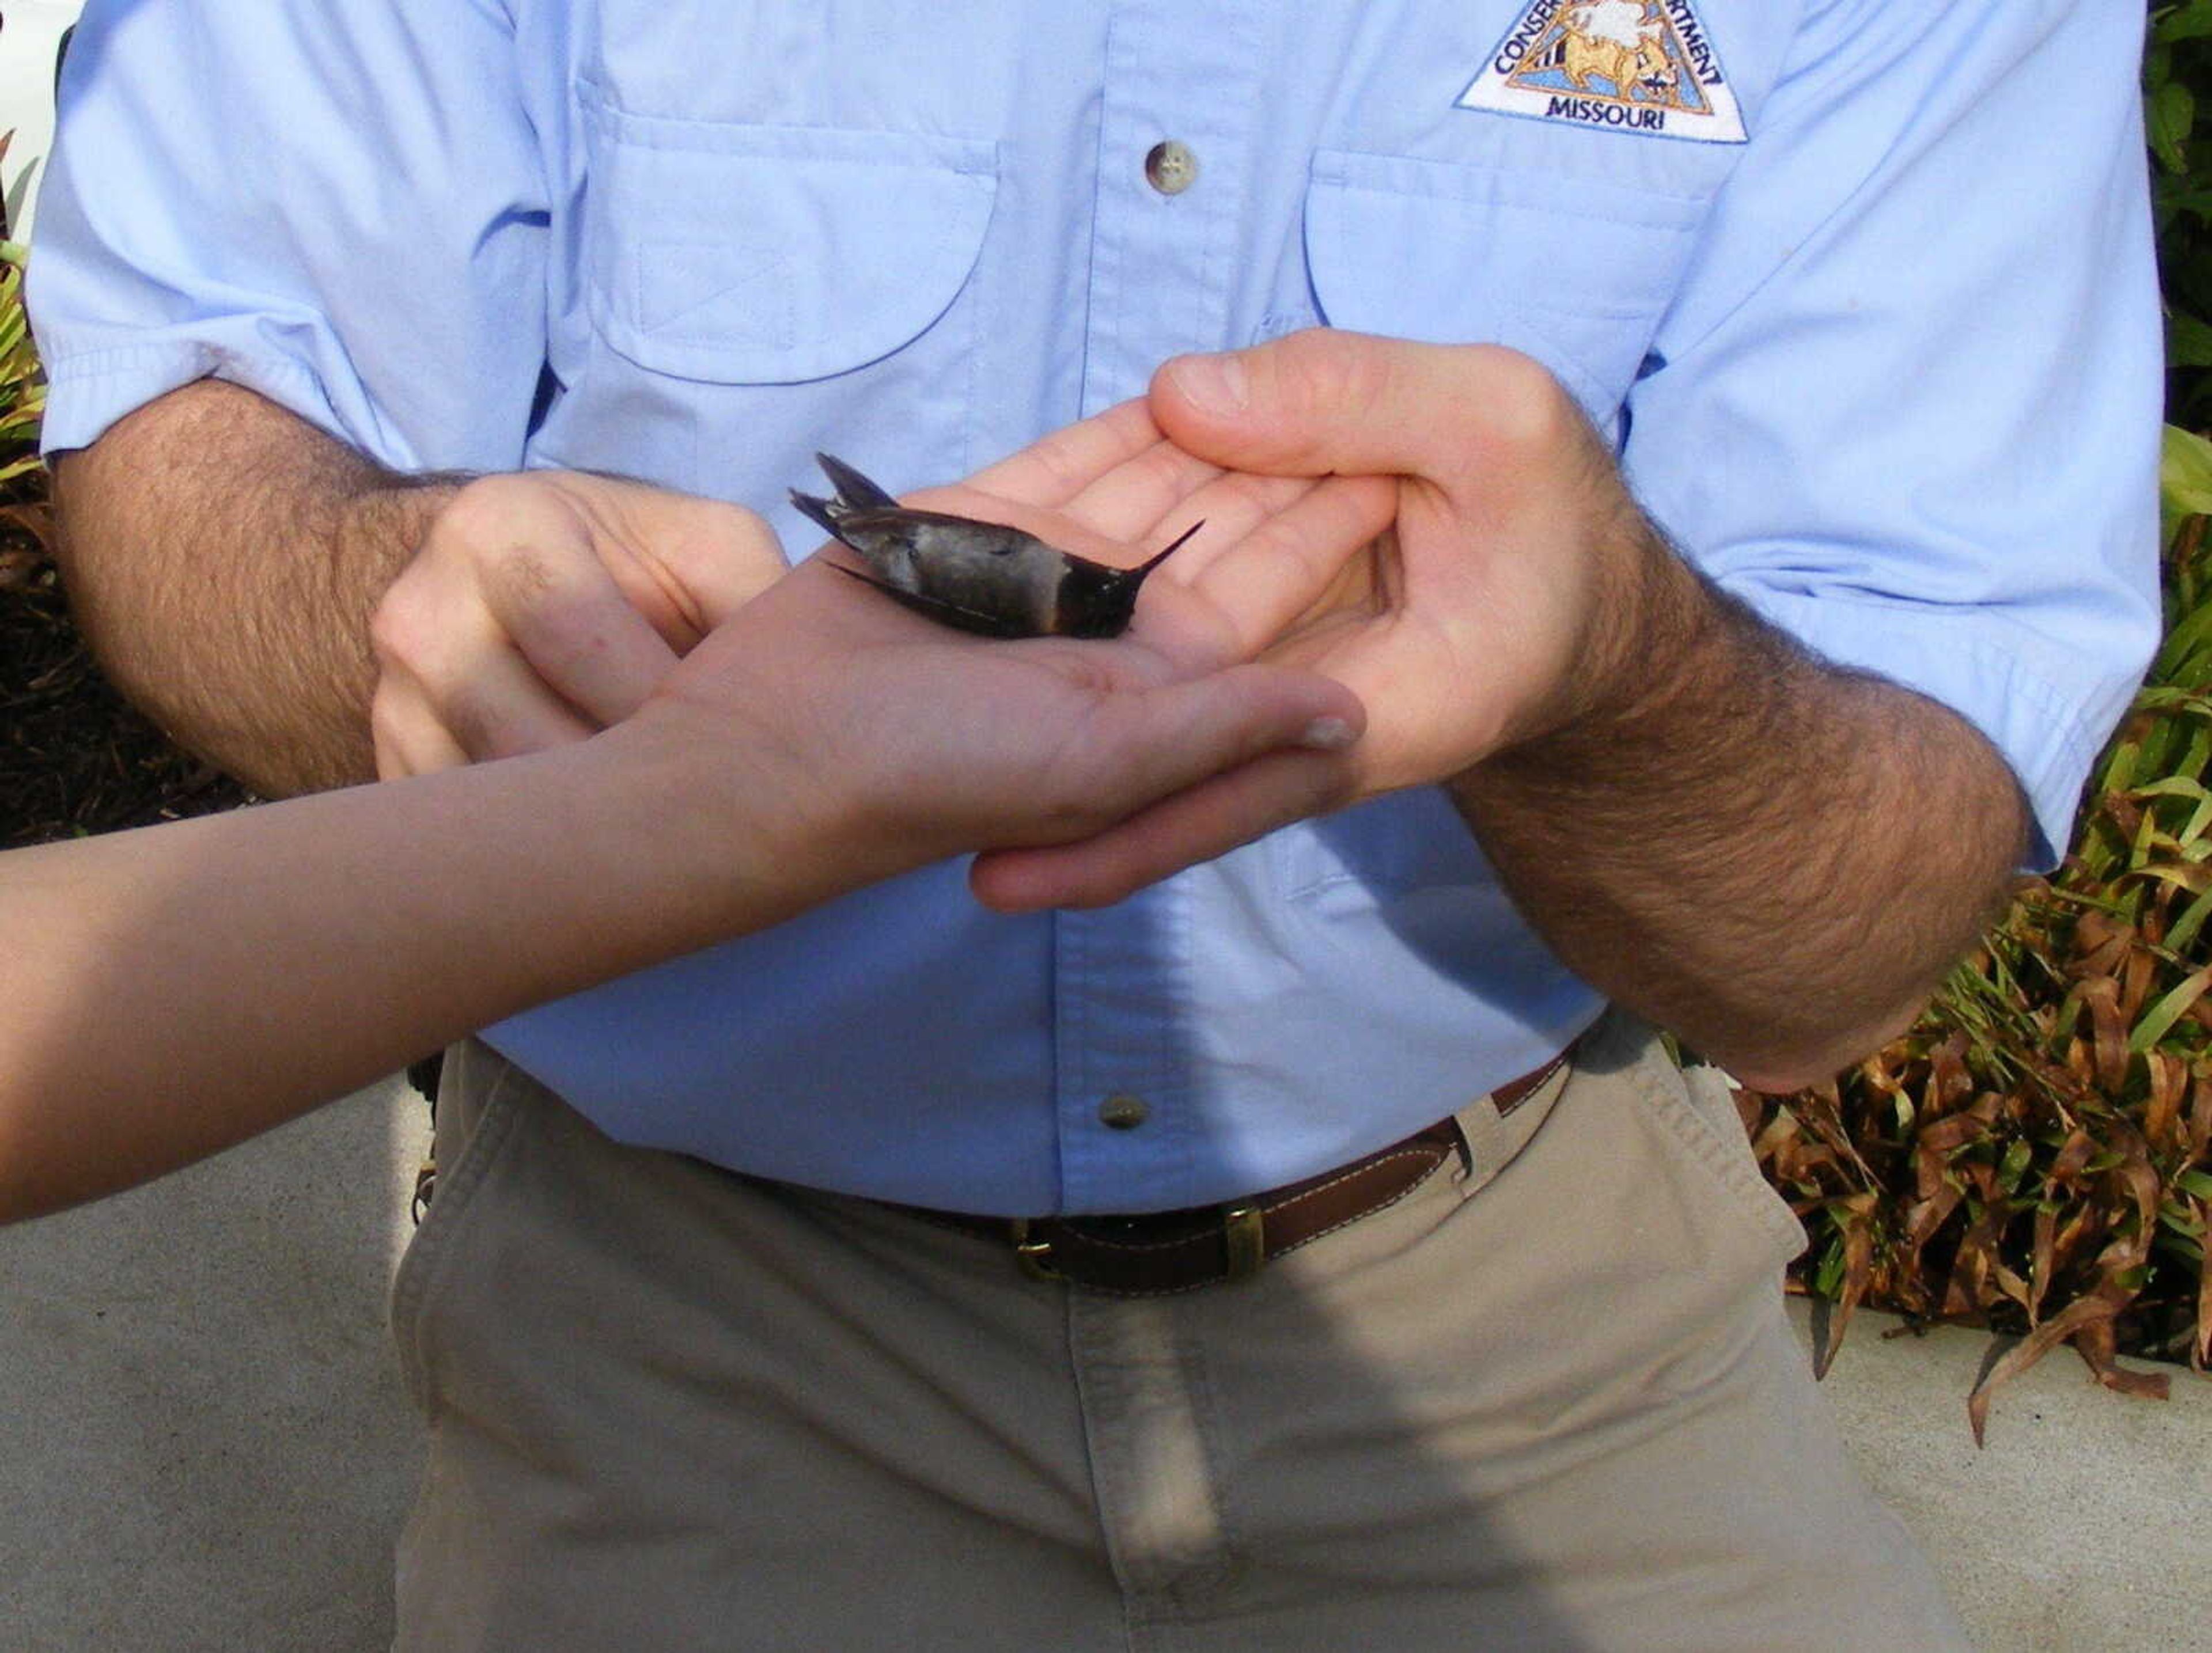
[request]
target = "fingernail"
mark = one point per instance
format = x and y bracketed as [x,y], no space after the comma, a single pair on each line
[1211,384]
[1328,735]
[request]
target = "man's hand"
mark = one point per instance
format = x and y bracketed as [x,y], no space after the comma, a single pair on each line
[545,606]
[1517,571]
[1051,742]
[1705,822]
[1498,593]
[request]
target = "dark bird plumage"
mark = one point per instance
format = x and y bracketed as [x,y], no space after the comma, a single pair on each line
[983,577]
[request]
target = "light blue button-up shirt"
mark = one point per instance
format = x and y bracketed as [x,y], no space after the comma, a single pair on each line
[1863,288]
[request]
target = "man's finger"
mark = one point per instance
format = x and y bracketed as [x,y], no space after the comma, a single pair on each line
[1160,740]
[1263,581]
[1215,604]
[1325,400]
[713,559]
[503,708]
[1230,504]
[1170,745]
[1128,502]
[408,739]
[1198,824]
[580,635]
[1053,469]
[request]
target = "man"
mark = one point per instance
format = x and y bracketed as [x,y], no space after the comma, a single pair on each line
[1463,1344]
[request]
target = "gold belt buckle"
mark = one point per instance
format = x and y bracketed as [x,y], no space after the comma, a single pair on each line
[1244,1236]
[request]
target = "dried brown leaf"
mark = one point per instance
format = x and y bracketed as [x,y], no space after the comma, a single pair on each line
[2040,1259]
[1749,1107]
[2137,977]
[33,517]
[1949,1079]
[1967,1291]
[2083,1226]
[2073,1154]
[2126,815]
[2100,942]
[1820,1111]
[1858,1271]
[18,567]
[2096,1308]
[2200,1347]
[2009,1283]
[2142,1181]
[2097,1345]
[2109,1032]
[2169,1086]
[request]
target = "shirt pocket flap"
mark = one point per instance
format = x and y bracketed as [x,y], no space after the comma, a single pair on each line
[1573,271]
[738,254]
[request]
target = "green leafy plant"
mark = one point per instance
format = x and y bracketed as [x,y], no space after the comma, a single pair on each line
[23,509]
[2035,1156]
[2177,84]
[22,390]
[22,387]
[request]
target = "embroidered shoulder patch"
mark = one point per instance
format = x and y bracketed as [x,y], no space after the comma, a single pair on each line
[1635,65]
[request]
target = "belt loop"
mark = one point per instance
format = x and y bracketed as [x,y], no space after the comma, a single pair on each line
[1497,1126]
[1245,1232]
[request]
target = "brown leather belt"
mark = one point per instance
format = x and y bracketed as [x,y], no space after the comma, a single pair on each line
[1160,1252]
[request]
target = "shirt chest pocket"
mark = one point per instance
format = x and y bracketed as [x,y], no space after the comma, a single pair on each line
[1575,272]
[765,286]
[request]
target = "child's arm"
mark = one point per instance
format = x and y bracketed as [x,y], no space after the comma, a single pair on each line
[167,992]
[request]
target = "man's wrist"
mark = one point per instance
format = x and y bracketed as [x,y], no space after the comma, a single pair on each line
[1657,636]
[379,526]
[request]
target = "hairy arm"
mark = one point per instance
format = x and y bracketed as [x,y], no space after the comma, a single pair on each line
[1772,856]
[223,558]
[304,618]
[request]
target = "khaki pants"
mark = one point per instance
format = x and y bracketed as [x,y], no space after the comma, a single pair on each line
[1551,1404]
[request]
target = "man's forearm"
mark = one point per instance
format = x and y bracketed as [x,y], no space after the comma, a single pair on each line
[1775,858]
[223,557]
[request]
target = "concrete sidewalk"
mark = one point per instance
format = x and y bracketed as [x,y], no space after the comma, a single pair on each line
[205,1447]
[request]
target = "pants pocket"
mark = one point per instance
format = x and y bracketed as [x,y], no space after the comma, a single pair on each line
[1696,1108]
[478,1104]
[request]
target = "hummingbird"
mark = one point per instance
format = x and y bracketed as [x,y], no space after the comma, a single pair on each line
[983,577]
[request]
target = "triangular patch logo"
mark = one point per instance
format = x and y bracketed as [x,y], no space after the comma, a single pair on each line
[1642,66]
